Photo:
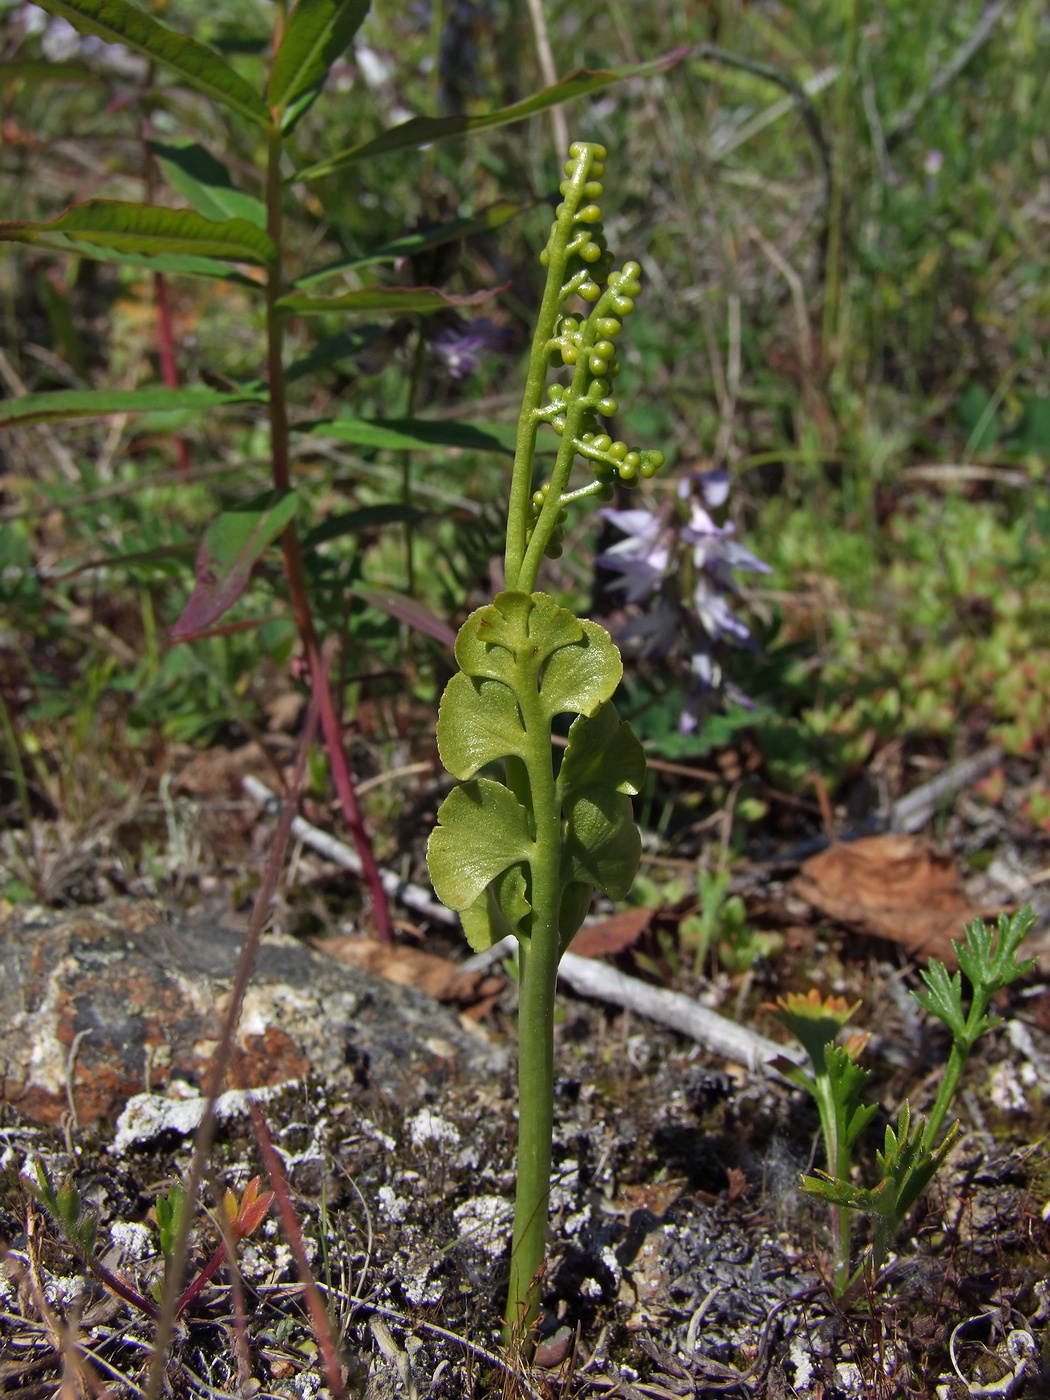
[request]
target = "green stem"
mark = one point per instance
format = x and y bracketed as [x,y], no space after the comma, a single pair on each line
[538,976]
[950,1083]
[836,214]
[834,1130]
[577,407]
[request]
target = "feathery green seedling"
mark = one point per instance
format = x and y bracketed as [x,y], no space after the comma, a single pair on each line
[80,1227]
[835,1085]
[523,856]
[914,1150]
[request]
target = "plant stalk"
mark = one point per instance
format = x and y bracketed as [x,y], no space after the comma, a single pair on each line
[295,573]
[538,977]
[834,1130]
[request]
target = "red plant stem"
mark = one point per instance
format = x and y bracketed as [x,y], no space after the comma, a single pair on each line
[119,1286]
[202,1278]
[322,1323]
[293,562]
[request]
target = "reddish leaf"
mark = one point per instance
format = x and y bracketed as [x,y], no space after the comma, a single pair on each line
[408,611]
[611,935]
[231,546]
[894,887]
[253,1208]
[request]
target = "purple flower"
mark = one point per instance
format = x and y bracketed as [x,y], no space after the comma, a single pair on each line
[461,346]
[642,557]
[655,556]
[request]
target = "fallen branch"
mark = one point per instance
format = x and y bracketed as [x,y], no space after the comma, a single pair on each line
[411,896]
[911,812]
[587,976]
[592,978]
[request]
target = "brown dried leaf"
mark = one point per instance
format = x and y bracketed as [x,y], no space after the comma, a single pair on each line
[894,887]
[611,935]
[409,967]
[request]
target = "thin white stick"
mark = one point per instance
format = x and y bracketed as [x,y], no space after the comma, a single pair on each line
[587,976]
[550,75]
[411,896]
[716,1033]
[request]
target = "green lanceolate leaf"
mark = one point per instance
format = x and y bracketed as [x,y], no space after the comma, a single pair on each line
[421,131]
[183,265]
[406,434]
[200,67]
[148,229]
[66,404]
[342,346]
[419,242]
[367,518]
[205,182]
[407,610]
[395,300]
[231,546]
[317,33]
[482,830]
[39,70]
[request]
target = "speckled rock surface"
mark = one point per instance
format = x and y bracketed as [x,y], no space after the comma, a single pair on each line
[102,1003]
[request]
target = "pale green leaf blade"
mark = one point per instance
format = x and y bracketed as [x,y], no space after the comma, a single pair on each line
[65,404]
[408,434]
[603,846]
[579,678]
[419,242]
[575,902]
[395,300]
[482,830]
[478,723]
[421,131]
[118,22]
[493,637]
[602,752]
[317,33]
[205,182]
[149,229]
[502,909]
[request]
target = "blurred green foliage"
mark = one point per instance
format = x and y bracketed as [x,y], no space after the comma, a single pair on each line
[827,350]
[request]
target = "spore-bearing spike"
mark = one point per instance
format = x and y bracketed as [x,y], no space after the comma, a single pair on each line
[583,344]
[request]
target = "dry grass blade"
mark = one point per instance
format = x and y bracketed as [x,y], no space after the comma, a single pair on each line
[220,1063]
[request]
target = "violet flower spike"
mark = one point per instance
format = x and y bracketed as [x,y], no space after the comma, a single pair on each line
[642,558]
[460,347]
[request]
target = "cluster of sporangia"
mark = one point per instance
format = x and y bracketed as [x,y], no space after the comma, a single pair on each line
[587,344]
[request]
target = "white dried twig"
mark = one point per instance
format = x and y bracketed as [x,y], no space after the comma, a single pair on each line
[411,896]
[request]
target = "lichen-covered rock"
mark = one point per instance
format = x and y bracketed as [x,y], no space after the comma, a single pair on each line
[98,1004]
